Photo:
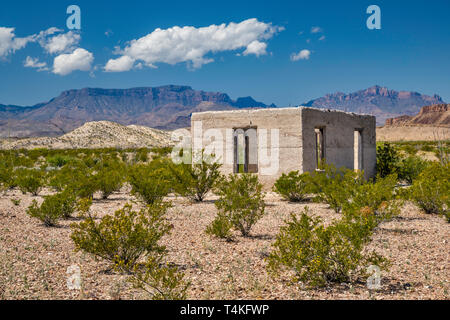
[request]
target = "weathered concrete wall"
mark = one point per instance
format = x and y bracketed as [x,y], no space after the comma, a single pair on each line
[339,129]
[286,120]
[297,144]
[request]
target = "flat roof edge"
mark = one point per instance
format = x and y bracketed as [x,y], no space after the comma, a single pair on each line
[298,108]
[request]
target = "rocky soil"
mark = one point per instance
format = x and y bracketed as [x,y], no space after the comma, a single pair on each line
[34,260]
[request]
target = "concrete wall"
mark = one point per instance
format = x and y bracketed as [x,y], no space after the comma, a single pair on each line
[297,144]
[339,138]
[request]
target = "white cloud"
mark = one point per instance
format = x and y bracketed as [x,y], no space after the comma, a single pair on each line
[257,48]
[316,30]
[191,45]
[302,55]
[9,43]
[35,63]
[121,64]
[80,59]
[61,43]
[322,38]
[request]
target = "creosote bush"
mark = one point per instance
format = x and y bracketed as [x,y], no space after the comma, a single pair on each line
[220,227]
[431,190]
[125,237]
[109,178]
[150,182]
[293,186]
[335,186]
[158,280]
[241,202]
[194,181]
[318,254]
[54,207]
[387,159]
[409,168]
[30,180]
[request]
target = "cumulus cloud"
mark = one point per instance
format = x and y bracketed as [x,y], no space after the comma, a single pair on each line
[61,43]
[35,63]
[257,48]
[302,55]
[9,43]
[80,59]
[121,64]
[191,45]
[316,30]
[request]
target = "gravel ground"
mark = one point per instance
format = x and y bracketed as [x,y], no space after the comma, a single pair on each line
[34,259]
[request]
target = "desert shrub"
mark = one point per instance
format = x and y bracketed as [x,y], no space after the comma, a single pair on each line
[30,180]
[85,186]
[158,280]
[7,177]
[150,182]
[142,155]
[66,176]
[409,168]
[431,190]
[377,198]
[123,238]
[49,212]
[16,202]
[319,255]
[58,160]
[335,186]
[67,201]
[241,201]
[387,159]
[293,186]
[196,180]
[110,178]
[220,227]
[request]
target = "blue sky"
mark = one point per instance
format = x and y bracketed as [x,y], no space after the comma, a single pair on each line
[410,52]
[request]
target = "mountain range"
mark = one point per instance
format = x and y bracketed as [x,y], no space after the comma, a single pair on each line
[170,107]
[167,107]
[378,101]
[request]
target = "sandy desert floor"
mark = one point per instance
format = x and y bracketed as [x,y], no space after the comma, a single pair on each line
[34,259]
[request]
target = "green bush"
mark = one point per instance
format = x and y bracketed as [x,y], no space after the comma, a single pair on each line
[85,185]
[30,180]
[409,168]
[335,187]
[150,182]
[431,190]
[387,159]
[241,201]
[220,227]
[293,186]
[110,178]
[7,177]
[319,255]
[196,180]
[377,198]
[58,160]
[159,281]
[123,238]
[53,208]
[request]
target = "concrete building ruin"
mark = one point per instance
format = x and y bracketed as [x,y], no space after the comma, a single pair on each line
[306,136]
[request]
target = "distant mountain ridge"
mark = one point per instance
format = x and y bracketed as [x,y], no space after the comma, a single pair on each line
[170,107]
[167,107]
[378,101]
[436,115]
